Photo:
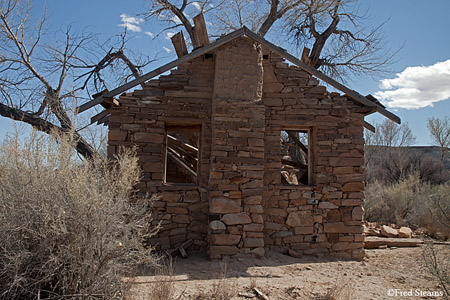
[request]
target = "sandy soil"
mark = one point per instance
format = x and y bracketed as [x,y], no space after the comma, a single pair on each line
[279,276]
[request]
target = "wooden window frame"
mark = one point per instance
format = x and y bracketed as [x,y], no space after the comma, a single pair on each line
[180,128]
[311,153]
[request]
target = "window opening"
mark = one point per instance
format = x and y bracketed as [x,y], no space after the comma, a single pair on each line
[295,161]
[182,151]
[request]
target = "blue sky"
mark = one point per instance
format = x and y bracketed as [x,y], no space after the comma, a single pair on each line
[418,88]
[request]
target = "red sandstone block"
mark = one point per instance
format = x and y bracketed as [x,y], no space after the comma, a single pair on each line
[353,187]
[352,202]
[223,205]
[117,135]
[253,242]
[254,227]
[177,210]
[345,161]
[217,251]
[225,239]
[148,137]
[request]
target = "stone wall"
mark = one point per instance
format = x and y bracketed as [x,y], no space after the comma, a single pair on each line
[242,96]
[324,217]
[237,156]
[181,98]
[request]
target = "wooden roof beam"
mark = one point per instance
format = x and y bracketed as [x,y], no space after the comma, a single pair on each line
[200,29]
[297,141]
[100,115]
[179,44]
[369,126]
[349,92]
[194,54]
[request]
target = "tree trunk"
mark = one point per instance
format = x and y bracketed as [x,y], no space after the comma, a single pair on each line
[40,124]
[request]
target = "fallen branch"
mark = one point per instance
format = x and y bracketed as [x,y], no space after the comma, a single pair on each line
[260,294]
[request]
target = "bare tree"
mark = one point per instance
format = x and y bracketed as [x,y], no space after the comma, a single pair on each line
[385,155]
[226,16]
[38,72]
[390,134]
[440,132]
[340,43]
[332,29]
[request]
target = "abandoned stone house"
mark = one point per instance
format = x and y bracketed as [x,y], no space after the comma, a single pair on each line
[246,152]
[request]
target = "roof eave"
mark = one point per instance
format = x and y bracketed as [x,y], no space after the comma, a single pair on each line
[244,31]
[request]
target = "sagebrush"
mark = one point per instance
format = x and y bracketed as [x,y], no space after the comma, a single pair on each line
[410,202]
[67,227]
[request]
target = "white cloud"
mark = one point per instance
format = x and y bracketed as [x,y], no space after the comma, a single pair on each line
[167,49]
[131,23]
[170,34]
[149,34]
[417,87]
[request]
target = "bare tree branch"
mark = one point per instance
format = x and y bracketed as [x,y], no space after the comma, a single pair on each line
[37,72]
[45,126]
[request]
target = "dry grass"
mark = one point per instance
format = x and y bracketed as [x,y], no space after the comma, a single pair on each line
[223,289]
[164,288]
[438,265]
[67,227]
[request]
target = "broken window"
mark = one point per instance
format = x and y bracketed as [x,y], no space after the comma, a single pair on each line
[296,168]
[182,153]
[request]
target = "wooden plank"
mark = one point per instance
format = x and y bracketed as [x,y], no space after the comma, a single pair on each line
[372,98]
[305,56]
[260,294]
[189,157]
[186,147]
[162,69]
[182,252]
[103,120]
[109,101]
[369,126]
[200,29]
[351,93]
[180,249]
[100,115]
[179,44]
[294,164]
[171,154]
[372,242]
[104,92]
[297,141]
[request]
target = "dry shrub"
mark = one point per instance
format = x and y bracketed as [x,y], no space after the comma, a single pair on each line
[67,227]
[223,289]
[437,264]
[164,287]
[342,289]
[410,202]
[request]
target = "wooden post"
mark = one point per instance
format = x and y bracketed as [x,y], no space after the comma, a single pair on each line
[305,56]
[179,44]
[200,29]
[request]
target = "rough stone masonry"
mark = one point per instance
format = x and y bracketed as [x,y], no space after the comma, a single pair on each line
[231,104]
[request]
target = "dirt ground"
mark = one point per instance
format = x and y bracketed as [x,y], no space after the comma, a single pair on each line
[393,273]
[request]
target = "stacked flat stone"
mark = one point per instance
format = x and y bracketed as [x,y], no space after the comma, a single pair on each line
[243,97]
